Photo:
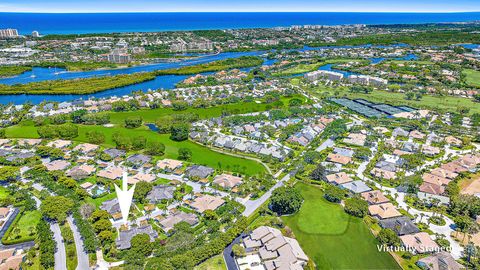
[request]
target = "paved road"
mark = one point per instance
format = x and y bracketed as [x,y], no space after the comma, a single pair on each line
[325,145]
[60,254]
[228,254]
[82,256]
[251,206]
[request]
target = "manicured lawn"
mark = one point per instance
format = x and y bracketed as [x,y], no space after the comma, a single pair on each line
[301,68]
[214,263]
[201,154]
[444,103]
[150,116]
[98,201]
[472,77]
[333,239]
[26,225]
[3,192]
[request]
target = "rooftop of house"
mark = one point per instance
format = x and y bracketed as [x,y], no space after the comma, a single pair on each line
[339,178]
[440,261]
[275,250]
[169,222]
[227,180]
[420,242]
[374,197]
[160,192]
[401,225]
[384,210]
[124,237]
[206,202]
[356,187]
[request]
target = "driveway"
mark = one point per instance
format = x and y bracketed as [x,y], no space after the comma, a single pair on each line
[251,206]
[228,254]
[60,254]
[82,256]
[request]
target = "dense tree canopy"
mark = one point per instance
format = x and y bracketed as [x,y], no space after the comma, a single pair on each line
[286,200]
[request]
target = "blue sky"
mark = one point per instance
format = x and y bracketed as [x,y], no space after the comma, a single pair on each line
[238,5]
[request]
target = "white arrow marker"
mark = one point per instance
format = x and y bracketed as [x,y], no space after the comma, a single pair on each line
[125,197]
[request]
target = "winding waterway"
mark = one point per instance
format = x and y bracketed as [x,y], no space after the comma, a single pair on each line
[160,82]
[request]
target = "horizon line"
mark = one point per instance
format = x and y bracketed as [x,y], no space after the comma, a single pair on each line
[274,11]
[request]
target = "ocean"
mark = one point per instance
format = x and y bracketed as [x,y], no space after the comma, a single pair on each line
[82,23]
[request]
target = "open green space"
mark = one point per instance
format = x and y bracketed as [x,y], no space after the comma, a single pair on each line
[23,229]
[214,263]
[151,115]
[335,240]
[439,103]
[9,71]
[300,68]
[230,63]
[3,192]
[201,154]
[77,86]
[472,77]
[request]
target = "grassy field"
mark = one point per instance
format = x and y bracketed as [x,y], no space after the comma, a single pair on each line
[214,263]
[333,239]
[3,192]
[472,77]
[26,226]
[149,116]
[300,68]
[70,248]
[201,154]
[443,103]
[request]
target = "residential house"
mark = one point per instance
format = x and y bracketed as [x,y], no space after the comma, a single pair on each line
[273,250]
[439,261]
[337,158]
[435,179]
[111,172]
[383,211]
[430,150]
[355,139]
[227,181]
[381,173]
[124,237]
[453,141]
[206,202]
[374,197]
[400,132]
[339,178]
[419,243]
[169,165]
[402,225]
[114,153]
[11,259]
[59,144]
[138,160]
[160,192]
[81,171]
[428,191]
[169,222]
[139,177]
[57,165]
[199,171]
[85,147]
[112,207]
[356,187]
